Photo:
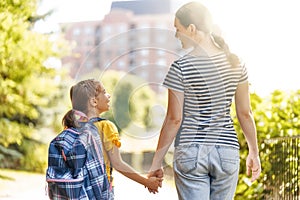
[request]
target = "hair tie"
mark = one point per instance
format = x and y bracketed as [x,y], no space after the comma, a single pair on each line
[80,116]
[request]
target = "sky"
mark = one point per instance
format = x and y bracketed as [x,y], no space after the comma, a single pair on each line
[265,34]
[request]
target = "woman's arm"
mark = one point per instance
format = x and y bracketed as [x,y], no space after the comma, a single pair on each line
[246,120]
[117,163]
[169,128]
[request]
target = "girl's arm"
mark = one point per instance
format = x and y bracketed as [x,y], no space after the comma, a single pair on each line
[117,163]
[246,120]
[169,130]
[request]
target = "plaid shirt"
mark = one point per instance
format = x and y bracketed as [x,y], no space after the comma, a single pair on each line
[76,168]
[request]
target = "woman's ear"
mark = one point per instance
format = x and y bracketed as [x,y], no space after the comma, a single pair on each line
[192,29]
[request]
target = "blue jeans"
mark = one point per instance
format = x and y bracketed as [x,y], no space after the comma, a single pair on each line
[204,172]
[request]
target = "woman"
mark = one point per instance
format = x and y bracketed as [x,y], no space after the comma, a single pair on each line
[201,86]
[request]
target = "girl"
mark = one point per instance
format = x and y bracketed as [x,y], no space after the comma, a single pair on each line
[91,99]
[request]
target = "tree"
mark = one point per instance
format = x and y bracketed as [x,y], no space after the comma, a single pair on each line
[27,85]
[275,116]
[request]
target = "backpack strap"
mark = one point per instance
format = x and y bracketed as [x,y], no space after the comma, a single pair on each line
[97,148]
[96,119]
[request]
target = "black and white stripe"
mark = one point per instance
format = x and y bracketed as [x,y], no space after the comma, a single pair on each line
[209,84]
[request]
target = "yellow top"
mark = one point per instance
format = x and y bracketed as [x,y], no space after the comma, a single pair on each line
[110,136]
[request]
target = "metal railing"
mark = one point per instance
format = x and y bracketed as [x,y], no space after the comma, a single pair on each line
[282,173]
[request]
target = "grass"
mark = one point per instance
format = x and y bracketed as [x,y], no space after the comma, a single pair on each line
[6,177]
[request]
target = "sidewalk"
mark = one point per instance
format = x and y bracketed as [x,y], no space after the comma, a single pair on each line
[27,186]
[23,186]
[125,189]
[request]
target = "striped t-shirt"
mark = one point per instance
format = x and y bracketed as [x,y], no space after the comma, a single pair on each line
[209,85]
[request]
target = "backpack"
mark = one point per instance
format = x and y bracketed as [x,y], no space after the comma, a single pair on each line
[76,169]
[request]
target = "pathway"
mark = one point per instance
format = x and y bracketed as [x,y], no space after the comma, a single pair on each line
[26,186]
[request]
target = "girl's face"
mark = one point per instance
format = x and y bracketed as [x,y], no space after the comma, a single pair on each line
[102,100]
[183,34]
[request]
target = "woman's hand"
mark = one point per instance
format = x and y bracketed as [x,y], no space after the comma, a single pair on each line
[155,175]
[153,184]
[253,166]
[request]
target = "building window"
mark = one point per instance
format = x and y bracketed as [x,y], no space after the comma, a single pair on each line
[121,65]
[122,28]
[76,31]
[144,52]
[107,29]
[144,62]
[88,30]
[160,52]
[161,62]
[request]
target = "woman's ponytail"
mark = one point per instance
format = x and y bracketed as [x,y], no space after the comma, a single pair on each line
[232,58]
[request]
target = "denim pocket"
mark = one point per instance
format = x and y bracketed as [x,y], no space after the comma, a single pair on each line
[186,158]
[229,158]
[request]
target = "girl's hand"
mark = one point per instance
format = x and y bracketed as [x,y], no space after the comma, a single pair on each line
[153,184]
[158,175]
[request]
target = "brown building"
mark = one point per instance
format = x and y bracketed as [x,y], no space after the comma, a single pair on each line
[84,37]
[140,44]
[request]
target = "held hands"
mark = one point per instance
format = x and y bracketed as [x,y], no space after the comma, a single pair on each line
[253,166]
[156,177]
[153,184]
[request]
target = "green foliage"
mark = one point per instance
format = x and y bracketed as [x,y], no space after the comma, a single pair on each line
[275,116]
[27,86]
[22,9]
[34,156]
[9,157]
[131,99]
[122,109]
